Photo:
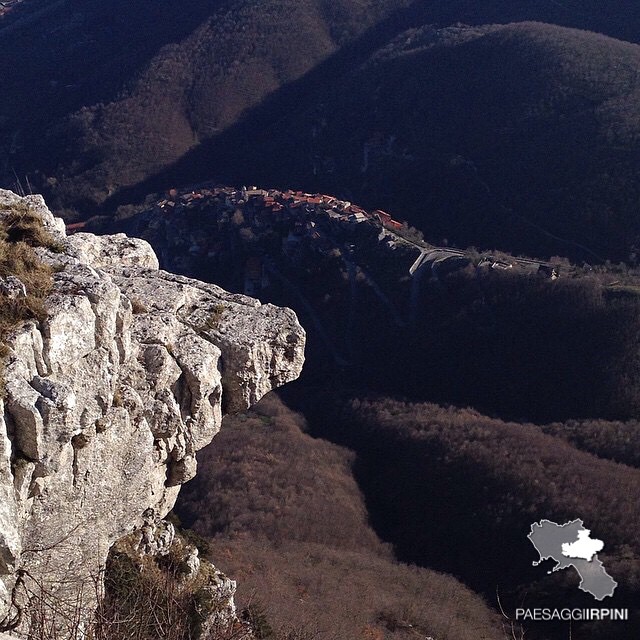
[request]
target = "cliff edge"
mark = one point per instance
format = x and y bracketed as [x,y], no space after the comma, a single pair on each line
[106,401]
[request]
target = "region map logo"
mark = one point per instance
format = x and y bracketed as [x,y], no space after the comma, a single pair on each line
[571,545]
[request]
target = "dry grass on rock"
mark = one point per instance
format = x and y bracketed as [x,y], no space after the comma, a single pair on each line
[20,232]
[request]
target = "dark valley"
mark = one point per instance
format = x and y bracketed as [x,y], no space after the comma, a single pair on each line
[542,349]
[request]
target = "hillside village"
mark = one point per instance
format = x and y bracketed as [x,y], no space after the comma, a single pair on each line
[307,214]
[207,222]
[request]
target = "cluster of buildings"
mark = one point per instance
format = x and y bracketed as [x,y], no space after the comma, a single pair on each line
[203,221]
[249,226]
[316,220]
[302,223]
[284,205]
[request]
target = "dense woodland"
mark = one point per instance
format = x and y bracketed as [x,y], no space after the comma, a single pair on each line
[523,347]
[511,345]
[288,514]
[282,513]
[445,484]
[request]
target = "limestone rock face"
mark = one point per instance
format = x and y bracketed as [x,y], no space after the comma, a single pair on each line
[108,400]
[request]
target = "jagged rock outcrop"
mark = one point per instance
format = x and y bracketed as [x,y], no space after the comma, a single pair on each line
[107,401]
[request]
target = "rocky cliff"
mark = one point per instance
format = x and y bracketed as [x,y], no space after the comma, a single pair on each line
[108,399]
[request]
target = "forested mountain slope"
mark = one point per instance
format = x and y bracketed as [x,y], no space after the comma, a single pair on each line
[125,88]
[523,136]
[619,18]
[523,133]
